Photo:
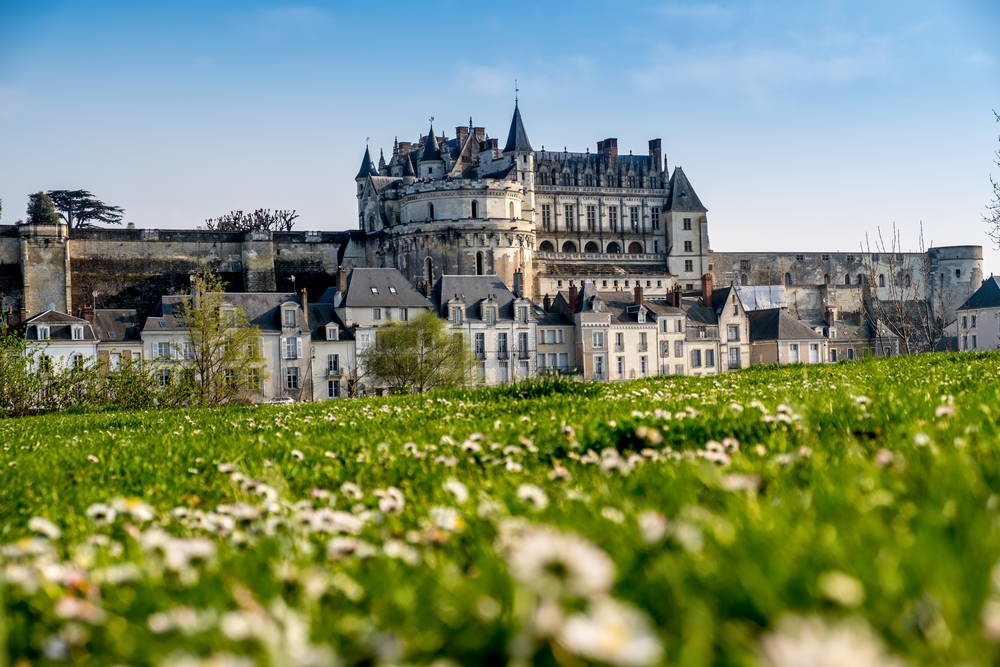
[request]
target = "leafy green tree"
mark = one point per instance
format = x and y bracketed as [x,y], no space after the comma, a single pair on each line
[221,357]
[41,210]
[418,355]
[261,219]
[80,209]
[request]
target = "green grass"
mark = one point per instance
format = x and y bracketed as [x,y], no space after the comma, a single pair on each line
[917,526]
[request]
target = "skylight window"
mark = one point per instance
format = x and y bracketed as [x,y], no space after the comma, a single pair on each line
[374,290]
[112,334]
[163,325]
[392,290]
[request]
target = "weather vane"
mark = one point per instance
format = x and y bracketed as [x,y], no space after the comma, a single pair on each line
[515,91]
[432,119]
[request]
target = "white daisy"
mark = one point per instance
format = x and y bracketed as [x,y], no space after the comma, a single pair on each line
[814,641]
[612,632]
[556,563]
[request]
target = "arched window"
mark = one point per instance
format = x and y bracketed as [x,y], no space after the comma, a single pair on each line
[614,248]
[826,278]
[743,279]
[475,209]
[430,211]
[847,279]
[861,280]
[906,280]
[479,263]
[881,280]
[788,279]
[371,223]
[512,210]
[592,247]
[634,248]
[569,246]
[429,270]
[546,247]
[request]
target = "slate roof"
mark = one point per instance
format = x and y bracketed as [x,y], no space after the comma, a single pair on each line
[776,324]
[359,292]
[259,308]
[367,166]
[761,297]
[503,173]
[117,325]
[382,182]
[987,296]
[517,138]
[696,311]
[472,290]
[408,169]
[322,314]
[431,150]
[682,195]
[60,326]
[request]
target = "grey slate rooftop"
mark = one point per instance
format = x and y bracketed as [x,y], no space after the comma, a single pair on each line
[776,324]
[987,296]
[117,325]
[377,288]
[472,290]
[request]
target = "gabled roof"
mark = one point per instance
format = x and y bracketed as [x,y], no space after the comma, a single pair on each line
[60,327]
[517,138]
[697,312]
[391,290]
[380,183]
[472,290]
[259,308]
[987,296]
[498,175]
[682,195]
[776,324]
[321,315]
[367,166]
[55,317]
[117,325]
[431,150]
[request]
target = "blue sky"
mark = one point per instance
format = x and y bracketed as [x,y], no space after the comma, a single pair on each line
[802,125]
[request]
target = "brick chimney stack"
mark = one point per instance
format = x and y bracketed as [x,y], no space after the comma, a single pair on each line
[677,296]
[656,152]
[304,302]
[87,313]
[572,298]
[706,289]
[341,279]
[546,303]
[638,294]
[518,284]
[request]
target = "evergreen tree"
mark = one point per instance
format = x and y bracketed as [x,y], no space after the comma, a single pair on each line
[81,209]
[41,210]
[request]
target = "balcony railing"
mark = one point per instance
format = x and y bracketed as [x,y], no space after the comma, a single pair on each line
[735,366]
[332,372]
[639,257]
[480,354]
[503,354]
[701,333]
[642,347]
[524,354]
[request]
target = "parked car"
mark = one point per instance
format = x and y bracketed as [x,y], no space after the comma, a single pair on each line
[282,400]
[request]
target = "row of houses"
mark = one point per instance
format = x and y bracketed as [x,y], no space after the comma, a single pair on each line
[311,350]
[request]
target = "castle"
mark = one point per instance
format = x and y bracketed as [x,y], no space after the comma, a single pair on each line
[463,205]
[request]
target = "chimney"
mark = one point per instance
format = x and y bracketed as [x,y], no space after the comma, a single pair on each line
[831,315]
[195,292]
[304,301]
[87,313]
[677,296]
[462,133]
[572,298]
[546,303]
[518,284]
[656,153]
[341,279]
[638,294]
[706,289]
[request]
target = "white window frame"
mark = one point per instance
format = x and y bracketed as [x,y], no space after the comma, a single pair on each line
[598,340]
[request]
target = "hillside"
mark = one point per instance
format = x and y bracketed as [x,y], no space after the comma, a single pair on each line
[757,515]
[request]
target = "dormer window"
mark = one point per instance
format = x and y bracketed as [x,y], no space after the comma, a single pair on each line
[77,331]
[456,315]
[332,332]
[228,315]
[642,317]
[43,332]
[288,318]
[491,315]
[522,314]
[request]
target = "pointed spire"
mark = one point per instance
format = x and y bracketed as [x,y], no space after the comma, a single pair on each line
[367,167]
[431,150]
[408,169]
[682,195]
[381,159]
[517,138]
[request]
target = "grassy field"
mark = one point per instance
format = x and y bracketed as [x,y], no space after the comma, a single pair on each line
[825,515]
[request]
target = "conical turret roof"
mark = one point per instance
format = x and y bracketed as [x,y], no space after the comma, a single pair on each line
[431,150]
[682,195]
[517,138]
[367,167]
[408,170]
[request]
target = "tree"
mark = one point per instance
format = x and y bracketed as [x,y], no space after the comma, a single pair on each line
[221,356]
[83,209]
[41,210]
[418,355]
[992,219]
[261,219]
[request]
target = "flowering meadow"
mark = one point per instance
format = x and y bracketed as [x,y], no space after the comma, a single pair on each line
[823,515]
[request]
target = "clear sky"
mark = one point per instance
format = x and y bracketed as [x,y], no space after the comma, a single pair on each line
[802,125]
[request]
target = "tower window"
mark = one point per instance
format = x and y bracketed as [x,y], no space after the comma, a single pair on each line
[430,211]
[475,209]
